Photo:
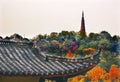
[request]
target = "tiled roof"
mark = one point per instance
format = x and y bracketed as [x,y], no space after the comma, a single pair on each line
[18,59]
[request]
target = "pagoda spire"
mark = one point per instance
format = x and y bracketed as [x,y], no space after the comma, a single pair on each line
[83,14]
[82,30]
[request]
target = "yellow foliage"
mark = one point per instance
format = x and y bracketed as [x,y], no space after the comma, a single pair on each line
[102,60]
[55,42]
[82,80]
[89,50]
[79,78]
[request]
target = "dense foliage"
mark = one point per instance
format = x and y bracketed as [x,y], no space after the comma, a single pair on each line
[99,74]
[61,43]
[72,44]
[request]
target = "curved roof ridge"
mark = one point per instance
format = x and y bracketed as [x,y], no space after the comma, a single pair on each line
[60,58]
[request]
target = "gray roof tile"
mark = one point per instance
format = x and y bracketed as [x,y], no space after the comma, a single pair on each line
[17,59]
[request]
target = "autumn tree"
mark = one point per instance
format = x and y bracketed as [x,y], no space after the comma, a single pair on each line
[114,73]
[96,74]
[89,51]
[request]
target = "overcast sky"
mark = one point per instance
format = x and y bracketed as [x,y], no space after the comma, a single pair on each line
[33,17]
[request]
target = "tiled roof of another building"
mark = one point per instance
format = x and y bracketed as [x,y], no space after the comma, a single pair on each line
[23,60]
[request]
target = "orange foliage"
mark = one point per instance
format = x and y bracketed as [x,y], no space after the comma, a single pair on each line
[89,50]
[114,73]
[69,54]
[99,74]
[96,73]
[55,42]
[75,79]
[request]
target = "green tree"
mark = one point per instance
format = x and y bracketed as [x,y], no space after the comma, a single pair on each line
[94,36]
[63,33]
[106,60]
[79,51]
[93,44]
[39,37]
[105,43]
[53,34]
[115,38]
[106,35]
[16,36]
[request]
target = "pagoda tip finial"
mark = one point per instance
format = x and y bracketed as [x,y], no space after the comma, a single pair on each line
[82,13]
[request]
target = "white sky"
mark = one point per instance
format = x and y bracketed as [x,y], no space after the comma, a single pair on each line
[33,17]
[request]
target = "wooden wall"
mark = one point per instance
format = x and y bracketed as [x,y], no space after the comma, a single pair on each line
[18,79]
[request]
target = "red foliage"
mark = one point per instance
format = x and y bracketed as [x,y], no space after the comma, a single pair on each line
[114,73]
[69,54]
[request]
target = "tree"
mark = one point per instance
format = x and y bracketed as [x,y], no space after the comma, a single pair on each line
[106,35]
[92,44]
[114,48]
[79,51]
[39,37]
[55,44]
[107,59]
[53,34]
[105,43]
[118,47]
[96,74]
[66,34]
[114,73]
[69,54]
[45,36]
[94,36]
[89,51]
[16,36]
[115,38]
